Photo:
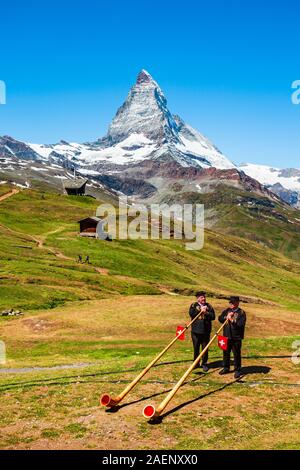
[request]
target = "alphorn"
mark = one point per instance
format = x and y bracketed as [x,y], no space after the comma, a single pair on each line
[149,411]
[110,402]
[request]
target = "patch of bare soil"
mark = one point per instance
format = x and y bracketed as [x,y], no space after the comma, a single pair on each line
[38,325]
[102,271]
[276,326]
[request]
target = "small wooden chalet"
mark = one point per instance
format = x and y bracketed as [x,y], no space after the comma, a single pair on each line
[88,226]
[75,187]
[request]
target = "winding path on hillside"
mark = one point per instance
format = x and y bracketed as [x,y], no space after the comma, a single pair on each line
[9,194]
[40,243]
[38,240]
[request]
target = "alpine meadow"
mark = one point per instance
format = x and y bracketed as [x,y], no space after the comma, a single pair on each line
[131,342]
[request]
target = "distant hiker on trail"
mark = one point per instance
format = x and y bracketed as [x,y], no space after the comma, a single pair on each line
[87,259]
[201,328]
[234,330]
[79,259]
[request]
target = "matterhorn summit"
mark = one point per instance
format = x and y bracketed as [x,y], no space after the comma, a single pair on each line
[144,112]
[143,130]
[144,121]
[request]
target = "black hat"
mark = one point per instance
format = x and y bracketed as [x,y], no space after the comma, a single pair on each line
[200,292]
[234,299]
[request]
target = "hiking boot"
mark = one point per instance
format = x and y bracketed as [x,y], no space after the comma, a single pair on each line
[237,374]
[205,367]
[224,371]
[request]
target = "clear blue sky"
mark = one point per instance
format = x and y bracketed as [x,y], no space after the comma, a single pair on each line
[226,68]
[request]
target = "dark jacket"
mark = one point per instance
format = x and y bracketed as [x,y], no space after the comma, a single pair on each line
[202,326]
[236,329]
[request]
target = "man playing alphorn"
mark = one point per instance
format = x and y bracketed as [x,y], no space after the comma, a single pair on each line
[201,328]
[234,330]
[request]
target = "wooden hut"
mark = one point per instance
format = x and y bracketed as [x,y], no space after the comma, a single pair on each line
[75,187]
[88,226]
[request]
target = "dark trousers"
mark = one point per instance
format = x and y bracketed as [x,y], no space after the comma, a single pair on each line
[235,346]
[200,340]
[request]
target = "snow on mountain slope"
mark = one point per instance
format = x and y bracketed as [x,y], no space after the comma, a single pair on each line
[133,149]
[202,147]
[283,182]
[193,142]
[66,149]
[288,178]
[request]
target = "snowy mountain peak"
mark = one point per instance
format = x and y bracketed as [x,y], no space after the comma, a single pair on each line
[145,113]
[144,77]
[142,129]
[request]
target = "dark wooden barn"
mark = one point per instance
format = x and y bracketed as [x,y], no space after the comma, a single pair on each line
[88,226]
[75,187]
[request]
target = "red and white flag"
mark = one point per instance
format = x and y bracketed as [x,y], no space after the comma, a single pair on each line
[180,332]
[222,342]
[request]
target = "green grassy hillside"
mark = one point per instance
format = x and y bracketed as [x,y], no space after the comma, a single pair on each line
[89,329]
[39,245]
[232,211]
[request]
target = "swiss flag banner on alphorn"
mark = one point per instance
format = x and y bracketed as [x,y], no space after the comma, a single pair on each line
[222,342]
[180,332]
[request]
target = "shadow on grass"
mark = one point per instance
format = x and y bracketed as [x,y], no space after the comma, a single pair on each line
[37,382]
[255,370]
[118,407]
[159,419]
[245,371]
[76,380]
[266,357]
[95,374]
